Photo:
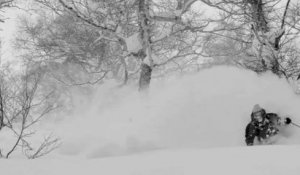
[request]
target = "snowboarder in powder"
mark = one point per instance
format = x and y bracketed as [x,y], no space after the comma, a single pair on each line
[263,125]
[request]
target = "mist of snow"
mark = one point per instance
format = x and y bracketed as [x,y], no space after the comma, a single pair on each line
[203,110]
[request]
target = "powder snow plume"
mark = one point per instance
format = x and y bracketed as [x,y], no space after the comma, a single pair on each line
[203,110]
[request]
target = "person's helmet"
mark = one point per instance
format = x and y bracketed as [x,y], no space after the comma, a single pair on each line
[257,109]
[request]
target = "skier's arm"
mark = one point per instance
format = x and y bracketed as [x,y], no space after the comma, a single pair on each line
[250,134]
[276,120]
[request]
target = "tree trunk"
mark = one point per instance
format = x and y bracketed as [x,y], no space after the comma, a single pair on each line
[147,62]
[1,111]
[145,76]
[268,46]
[258,16]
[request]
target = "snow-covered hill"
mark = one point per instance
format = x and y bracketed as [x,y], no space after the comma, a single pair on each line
[209,109]
[191,124]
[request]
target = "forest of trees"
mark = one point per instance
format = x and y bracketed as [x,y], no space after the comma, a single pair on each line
[80,43]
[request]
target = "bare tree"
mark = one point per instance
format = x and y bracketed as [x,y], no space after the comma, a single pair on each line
[66,42]
[22,108]
[153,36]
[269,33]
[139,28]
[49,144]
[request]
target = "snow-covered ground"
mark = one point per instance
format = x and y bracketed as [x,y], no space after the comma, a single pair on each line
[192,124]
[260,160]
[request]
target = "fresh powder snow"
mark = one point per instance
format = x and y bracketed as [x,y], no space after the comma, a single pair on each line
[191,124]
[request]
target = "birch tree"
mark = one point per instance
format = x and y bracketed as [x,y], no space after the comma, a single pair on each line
[268,30]
[142,30]
[156,35]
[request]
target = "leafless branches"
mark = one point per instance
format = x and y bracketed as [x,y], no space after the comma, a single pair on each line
[22,108]
[80,16]
[259,31]
[49,144]
[118,20]
[269,30]
[284,14]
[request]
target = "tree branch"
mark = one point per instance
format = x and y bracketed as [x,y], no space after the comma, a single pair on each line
[284,15]
[71,9]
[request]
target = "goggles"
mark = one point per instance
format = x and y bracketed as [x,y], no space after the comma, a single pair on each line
[258,115]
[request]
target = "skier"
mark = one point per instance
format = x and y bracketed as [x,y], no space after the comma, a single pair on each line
[263,125]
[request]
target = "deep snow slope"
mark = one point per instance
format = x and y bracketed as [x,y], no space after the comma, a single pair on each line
[205,110]
[209,109]
[259,160]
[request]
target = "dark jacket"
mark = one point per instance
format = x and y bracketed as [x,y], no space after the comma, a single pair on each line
[262,130]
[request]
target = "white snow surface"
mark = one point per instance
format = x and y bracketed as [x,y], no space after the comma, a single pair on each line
[192,124]
[273,160]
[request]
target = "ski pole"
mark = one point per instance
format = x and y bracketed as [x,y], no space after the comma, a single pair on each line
[295,125]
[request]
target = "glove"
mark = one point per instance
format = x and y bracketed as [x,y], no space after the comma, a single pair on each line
[287,120]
